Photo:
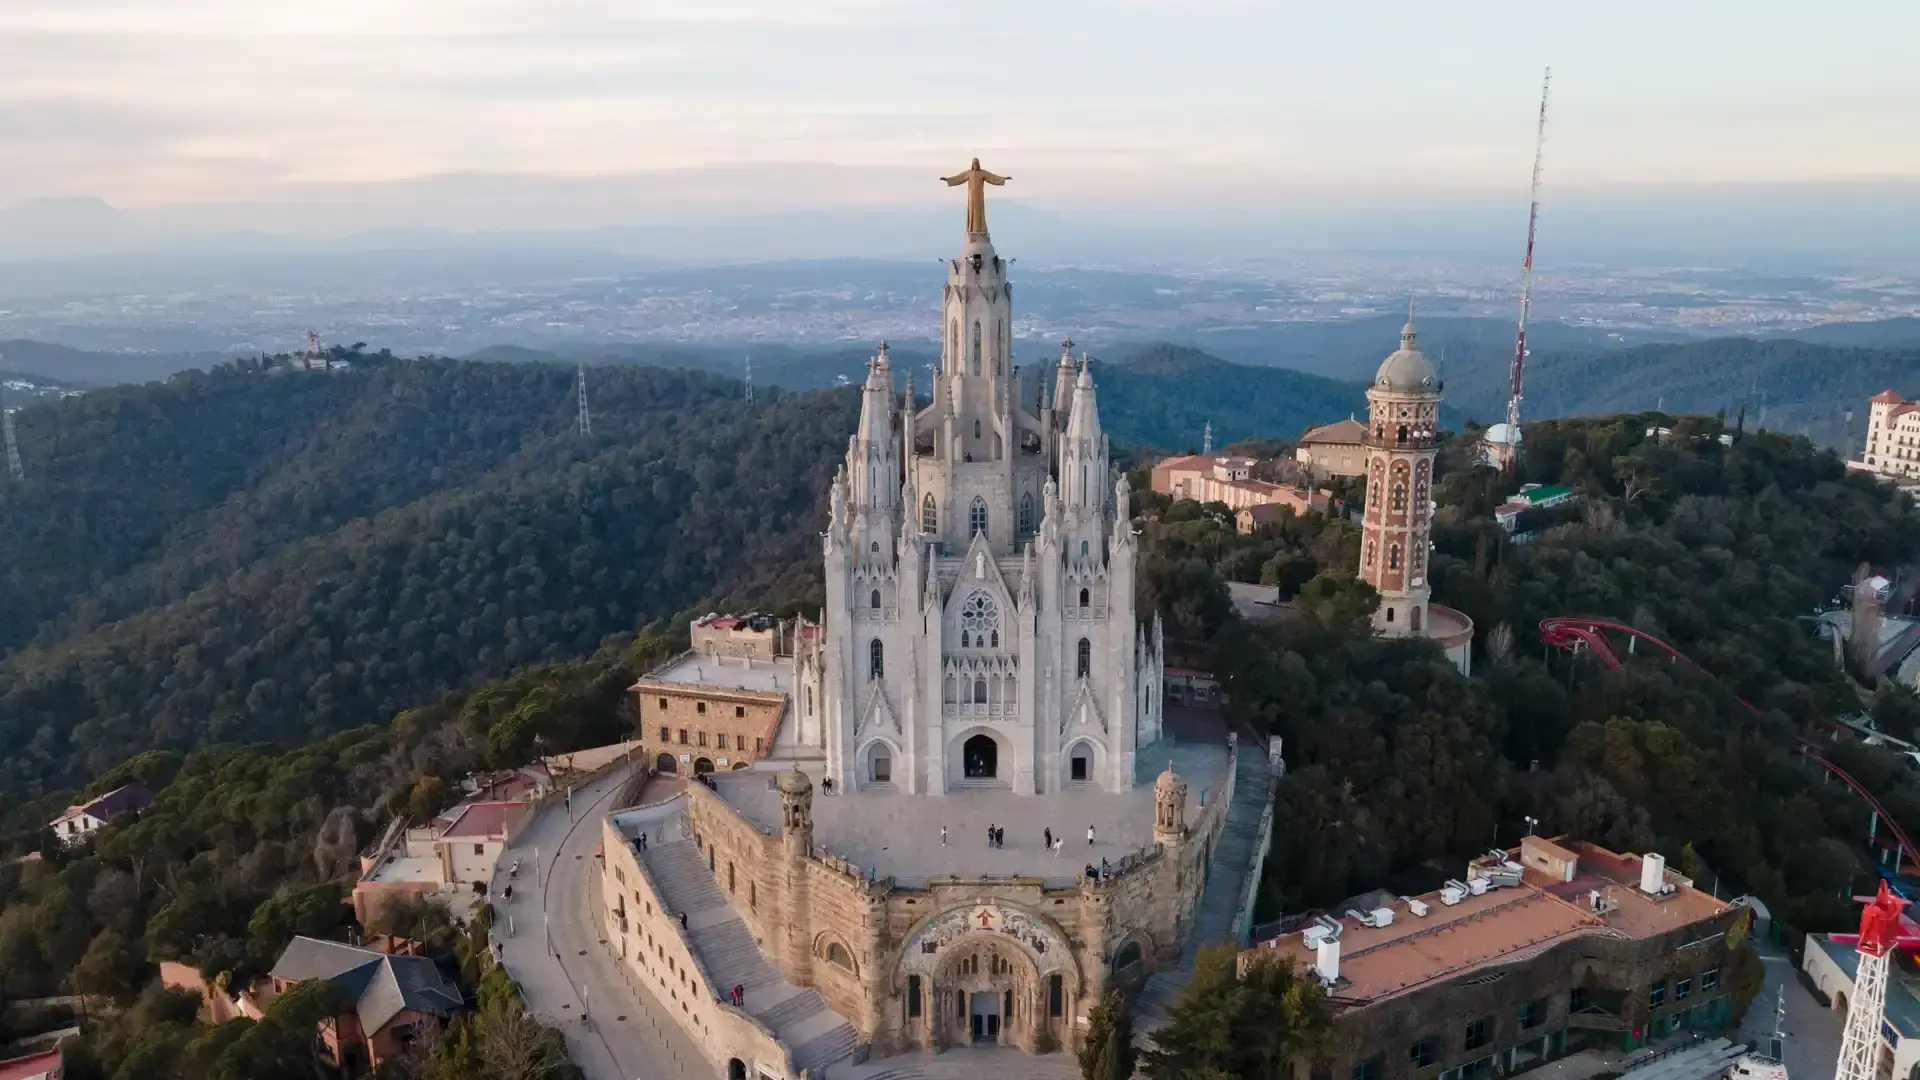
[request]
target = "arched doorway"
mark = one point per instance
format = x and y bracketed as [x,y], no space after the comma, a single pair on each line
[736,1069]
[1080,764]
[665,764]
[879,764]
[980,756]
[702,766]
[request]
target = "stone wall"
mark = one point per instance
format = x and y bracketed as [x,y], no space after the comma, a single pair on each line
[859,942]
[650,944]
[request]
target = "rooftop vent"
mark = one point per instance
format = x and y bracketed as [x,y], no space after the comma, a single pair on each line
[1453,892]
[1418,907]
[1653,875]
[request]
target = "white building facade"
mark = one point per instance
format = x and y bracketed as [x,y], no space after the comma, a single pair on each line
[979,628]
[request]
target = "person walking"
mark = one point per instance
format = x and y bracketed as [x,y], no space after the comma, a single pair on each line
[683,920]
[989,836]
[1057,841]
[1049,836]
[943,836]
[1089,836]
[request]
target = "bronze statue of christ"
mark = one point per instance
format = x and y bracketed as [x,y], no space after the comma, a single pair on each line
[976,179]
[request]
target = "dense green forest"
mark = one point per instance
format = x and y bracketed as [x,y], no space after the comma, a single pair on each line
[244,848]
[241,555]
[1819,391]
[1399,768]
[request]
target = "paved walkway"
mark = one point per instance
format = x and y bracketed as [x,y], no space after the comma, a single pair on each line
[817,1035]
[966,1063]
[1813,1030]
[1220,902]
[629,1035]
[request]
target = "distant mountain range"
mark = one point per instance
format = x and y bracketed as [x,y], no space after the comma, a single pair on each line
[1277,380]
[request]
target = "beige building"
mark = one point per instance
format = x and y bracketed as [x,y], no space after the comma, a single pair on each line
[753,636]
[1230,480]
[1893,439]
[691,719]
[1334,449]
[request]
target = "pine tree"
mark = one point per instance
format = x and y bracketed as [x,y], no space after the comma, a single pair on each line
[1108,1053]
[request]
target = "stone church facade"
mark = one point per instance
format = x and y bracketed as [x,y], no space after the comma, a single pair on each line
[980,627]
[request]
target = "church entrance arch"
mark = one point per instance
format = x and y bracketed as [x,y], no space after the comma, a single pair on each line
[980,758]
[989,974]
[879,763]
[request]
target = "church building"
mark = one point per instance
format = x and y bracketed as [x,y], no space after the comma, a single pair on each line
[980,626]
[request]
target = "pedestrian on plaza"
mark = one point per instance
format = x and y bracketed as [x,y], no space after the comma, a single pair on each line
[999,837]
[1106,868]
[1057,841]
[989,836]
[1049,835]
[943,836]
[1089,836]
[683,920]
[643,842]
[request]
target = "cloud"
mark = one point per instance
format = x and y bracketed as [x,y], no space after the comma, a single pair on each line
[1143,102]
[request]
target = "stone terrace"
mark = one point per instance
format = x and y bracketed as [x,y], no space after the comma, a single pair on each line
[898,835]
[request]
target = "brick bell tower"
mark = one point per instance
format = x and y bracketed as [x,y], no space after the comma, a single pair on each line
[1403,423]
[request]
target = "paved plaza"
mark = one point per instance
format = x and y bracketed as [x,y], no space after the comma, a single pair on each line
[898,835]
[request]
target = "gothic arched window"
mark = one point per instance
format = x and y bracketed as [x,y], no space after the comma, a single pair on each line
[979,691]
[876,659]
[874,602]
[929,514]
[1084,595]
[976,348]
[1084,666]
[977,517]
[1026,512]
[1369,559]
[953,342]
[976,429]
[994,636]
[1083,549]
[1393,556]
[999,344]
[1399,495]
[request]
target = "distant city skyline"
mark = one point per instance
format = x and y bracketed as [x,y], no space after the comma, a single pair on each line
[1132,107]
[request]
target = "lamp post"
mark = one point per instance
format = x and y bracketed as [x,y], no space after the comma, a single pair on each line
[1532,823]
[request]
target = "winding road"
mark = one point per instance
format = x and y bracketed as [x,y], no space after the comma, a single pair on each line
[615,1030]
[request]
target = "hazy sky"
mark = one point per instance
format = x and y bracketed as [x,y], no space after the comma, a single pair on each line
[1128,104]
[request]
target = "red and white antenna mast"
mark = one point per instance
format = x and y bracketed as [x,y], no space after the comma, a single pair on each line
[1526,280]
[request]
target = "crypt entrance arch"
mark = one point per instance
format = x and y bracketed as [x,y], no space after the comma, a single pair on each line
[987,975]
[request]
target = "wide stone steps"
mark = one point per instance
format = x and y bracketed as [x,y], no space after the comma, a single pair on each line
[1708,1058]
[822,1051]
[800,1017]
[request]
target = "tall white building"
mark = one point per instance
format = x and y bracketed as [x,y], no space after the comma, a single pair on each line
[979,627]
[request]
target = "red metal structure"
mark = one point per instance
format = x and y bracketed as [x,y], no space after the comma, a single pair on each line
[1573,633]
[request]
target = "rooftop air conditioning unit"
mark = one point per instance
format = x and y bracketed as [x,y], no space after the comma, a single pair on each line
[1453,892]
[1312,936]
[1478,886]
[1418,907]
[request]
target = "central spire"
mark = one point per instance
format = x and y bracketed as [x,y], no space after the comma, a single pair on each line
[976,179]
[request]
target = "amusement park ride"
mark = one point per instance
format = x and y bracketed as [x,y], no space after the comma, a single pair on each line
[1898,855]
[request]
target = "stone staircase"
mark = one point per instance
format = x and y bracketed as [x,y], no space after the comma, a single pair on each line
[815,1033]
[1220,900]
[1703,1059]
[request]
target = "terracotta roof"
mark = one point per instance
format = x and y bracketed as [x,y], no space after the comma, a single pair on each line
[1345,431]
[1887,397]
[1184,461]
[1502,925]
[31,1066]
[485,819]
[120,800]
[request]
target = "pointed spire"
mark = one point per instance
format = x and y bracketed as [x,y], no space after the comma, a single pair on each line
[1084,421]
[1406,332]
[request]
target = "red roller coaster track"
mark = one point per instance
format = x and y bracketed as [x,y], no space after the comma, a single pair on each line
[1573,633]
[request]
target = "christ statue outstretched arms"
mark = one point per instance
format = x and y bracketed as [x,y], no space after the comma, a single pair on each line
[976,178]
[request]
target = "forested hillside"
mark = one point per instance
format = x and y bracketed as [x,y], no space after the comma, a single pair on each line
[242,555]
[1164,396]
[1807,389]
[1398,768]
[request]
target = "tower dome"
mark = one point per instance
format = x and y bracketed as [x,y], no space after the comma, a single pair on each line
[795,782]
[1407,370]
